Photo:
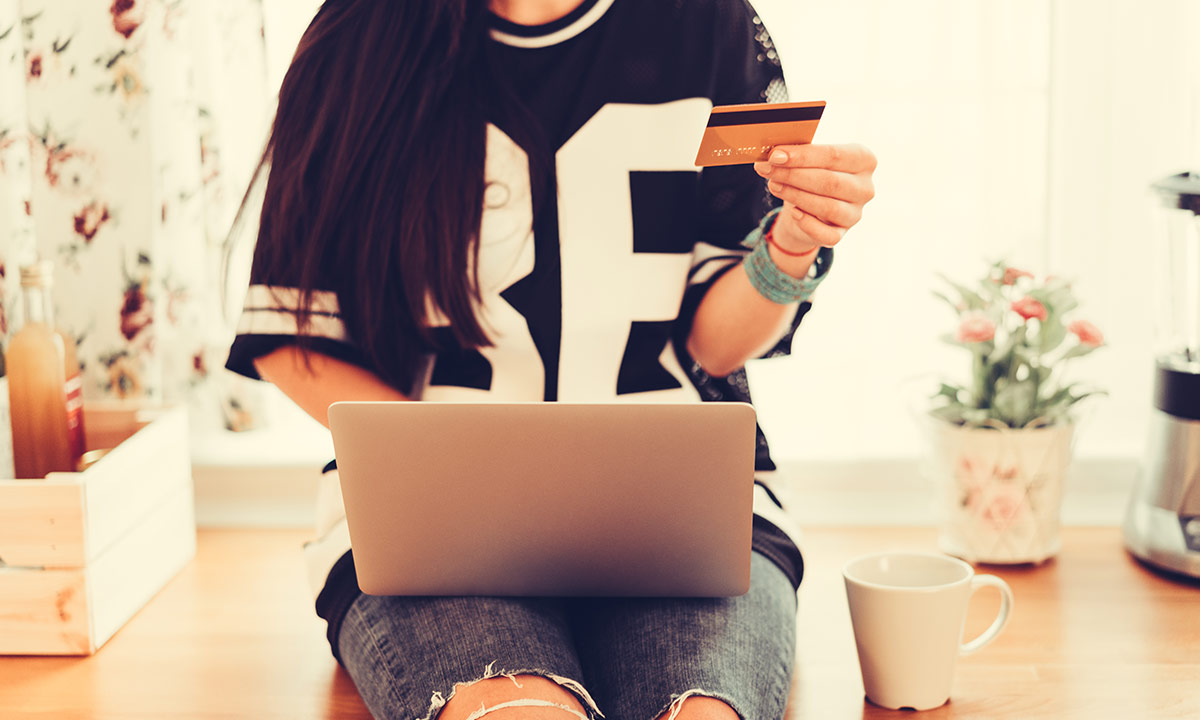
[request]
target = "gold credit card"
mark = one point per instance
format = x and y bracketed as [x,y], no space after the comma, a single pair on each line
[739,134]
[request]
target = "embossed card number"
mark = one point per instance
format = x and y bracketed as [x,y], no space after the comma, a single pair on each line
[740,134]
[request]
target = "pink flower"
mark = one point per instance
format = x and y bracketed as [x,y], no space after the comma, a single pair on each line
[1004,473]
[975,326]
[1088,333]
[1011,275]
[1001,511]
[1029,308]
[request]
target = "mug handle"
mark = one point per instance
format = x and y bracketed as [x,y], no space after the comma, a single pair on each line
[1006,603]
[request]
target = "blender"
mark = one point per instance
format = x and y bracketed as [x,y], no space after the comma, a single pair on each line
[1162,522]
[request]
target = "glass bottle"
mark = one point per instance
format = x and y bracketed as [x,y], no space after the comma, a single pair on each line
[44,385]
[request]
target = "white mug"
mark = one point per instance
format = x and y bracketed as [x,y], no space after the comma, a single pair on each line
[908,612]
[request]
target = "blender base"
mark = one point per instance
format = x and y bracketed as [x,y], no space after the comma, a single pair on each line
[1153,535]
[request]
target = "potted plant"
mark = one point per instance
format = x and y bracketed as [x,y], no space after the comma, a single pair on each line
[1002,440]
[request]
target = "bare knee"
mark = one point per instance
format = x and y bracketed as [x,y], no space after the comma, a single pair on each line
[699,707]
[531,696]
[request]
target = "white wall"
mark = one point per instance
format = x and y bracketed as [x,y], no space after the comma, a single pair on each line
[1025,129]
[1126,112]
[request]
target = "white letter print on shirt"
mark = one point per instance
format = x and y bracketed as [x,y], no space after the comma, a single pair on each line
[605,285]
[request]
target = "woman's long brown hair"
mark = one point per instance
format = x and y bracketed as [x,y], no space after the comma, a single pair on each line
[375,173]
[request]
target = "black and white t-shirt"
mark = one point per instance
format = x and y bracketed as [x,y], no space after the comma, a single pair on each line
[591,268]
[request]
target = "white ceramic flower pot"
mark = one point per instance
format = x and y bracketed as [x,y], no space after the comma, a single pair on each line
[1000,490]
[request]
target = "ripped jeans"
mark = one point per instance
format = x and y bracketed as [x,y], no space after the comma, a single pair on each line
[624,658]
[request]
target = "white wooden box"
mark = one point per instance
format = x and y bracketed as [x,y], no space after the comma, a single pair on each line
[80,553]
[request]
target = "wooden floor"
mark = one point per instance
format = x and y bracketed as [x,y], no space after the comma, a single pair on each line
[1093,635]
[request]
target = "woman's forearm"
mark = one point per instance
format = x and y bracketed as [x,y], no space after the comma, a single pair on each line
[735,323]
[823,189]
[322,382]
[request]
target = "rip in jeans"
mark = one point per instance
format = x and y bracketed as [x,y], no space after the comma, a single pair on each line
[677,701]
[437,701]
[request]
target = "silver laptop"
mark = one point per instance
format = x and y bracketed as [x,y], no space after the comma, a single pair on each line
[547,499]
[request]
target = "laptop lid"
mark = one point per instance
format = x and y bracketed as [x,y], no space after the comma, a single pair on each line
[549,499]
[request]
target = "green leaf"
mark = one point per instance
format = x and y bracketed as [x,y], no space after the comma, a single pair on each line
[953,305]
[1078,351]
[951,392]
[1062,395]
[1090,393]
[1054,416]
[992,291]
[1003,351]
[975,416]
[1014,403]
[1063,299]
[949,339]
[970,298]
[997,372]
[949,413]
[1051,334]
[1058,405]
[1043,373]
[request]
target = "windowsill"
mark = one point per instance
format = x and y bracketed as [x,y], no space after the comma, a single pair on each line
[897,491]
[259,478]
[268,479]
[296,441]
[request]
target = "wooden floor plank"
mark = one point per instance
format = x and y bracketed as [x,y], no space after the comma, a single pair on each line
[1093,635]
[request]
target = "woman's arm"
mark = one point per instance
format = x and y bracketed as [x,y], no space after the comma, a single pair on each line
[735,323]
[324,381]
[824,188]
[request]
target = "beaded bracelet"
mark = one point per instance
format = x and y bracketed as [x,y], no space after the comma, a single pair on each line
[766,277]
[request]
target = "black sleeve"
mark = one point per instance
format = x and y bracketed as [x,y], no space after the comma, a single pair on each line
[746,70]
[269,320]
[734,198]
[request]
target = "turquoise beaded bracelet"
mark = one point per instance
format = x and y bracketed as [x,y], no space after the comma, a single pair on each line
[773,283]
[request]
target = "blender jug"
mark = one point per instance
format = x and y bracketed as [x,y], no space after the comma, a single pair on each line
[1162,523]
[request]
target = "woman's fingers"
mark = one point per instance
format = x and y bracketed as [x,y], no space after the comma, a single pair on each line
[830,211]
[828,183]
[812,229]
[841,172]
[825,187]
[843,158]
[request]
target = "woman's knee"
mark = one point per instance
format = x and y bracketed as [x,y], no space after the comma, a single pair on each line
[700,707]
[508,697]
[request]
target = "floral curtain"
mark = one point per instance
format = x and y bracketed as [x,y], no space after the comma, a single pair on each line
[128,130]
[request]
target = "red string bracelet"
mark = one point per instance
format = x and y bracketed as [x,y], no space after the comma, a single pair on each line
[771,241]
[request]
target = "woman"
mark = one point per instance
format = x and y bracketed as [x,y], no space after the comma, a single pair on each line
[472,200]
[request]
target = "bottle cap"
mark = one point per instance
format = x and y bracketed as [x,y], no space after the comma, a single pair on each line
[39,274]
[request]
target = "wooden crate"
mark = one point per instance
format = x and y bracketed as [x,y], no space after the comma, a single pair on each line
[80,553]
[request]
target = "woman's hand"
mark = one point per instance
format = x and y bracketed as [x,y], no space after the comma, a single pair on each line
[824,189]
